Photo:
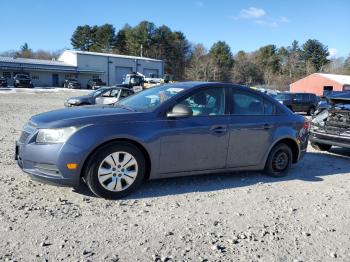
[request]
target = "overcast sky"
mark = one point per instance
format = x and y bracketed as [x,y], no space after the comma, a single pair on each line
[243,24]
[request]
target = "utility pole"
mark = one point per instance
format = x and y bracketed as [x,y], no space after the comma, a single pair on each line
[141,50]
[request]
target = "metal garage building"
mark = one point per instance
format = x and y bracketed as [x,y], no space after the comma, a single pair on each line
[111,68]
[319,83]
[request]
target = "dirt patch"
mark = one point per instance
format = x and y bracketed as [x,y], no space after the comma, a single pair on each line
[234,217]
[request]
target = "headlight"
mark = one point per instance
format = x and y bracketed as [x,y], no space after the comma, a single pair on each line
[74,101]
[320,118]
[55,136]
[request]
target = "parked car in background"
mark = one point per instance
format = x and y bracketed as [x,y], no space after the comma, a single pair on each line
[331,127]
[22,80]
[299,102]
[165,131]
[103,95]
[71,83]
[3,82]
[95,83]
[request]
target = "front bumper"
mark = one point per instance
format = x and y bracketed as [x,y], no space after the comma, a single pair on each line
[47,163]
[330,139]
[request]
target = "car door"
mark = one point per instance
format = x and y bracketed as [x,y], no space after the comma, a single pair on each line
[198,142]
[251,126]
[306,102]
[103,98]
[298,103]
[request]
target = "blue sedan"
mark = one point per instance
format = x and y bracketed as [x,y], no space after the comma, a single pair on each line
[170,130]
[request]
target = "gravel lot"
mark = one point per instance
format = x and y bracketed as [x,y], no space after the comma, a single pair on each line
[235,217]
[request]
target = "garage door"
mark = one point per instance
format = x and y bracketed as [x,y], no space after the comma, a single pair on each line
[120,73]
[151,72]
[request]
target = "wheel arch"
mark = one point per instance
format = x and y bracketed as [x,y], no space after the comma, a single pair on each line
[133,142]
[289,142]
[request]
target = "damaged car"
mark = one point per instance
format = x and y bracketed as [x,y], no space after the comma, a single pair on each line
[331,127]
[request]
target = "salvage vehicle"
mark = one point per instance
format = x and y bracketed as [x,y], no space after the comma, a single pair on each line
[331,127]
[169,130]
[3,82]
[103,95]
[22,80]
[325,103]
[299,102]
[71,83]
[95,83]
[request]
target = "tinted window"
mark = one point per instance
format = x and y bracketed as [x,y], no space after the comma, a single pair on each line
[206,102]
[124,93]
[107,94]
[299,97]
[284,96]
[269,108]
[245,103]
[114,92]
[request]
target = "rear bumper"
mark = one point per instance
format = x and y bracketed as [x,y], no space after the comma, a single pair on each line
[330,139]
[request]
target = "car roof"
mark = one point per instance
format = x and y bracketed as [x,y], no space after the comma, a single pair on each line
[191,84]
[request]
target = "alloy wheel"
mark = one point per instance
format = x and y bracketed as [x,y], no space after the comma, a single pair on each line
[117,171]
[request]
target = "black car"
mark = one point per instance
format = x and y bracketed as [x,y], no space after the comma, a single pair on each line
[331,127]
[299,102]
[71,83]
[95,83]
[3,82]
[22,80]
[104,95]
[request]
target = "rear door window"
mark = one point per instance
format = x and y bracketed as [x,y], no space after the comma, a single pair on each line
[245,103]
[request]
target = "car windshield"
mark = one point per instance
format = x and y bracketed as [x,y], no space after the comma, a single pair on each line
[149,99]
[284,96]
[23,76]
[98,91]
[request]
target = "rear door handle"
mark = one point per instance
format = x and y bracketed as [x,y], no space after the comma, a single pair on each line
[218,129]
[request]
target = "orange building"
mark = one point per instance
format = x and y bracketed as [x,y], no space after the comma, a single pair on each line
[318,83]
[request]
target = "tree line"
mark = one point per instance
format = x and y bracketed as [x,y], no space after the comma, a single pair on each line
[275,67]
[270,65]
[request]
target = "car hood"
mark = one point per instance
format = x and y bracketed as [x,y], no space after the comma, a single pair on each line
[340,99]
[82,116]
[81,98]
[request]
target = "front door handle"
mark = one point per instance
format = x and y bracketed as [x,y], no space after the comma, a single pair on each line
[218,129]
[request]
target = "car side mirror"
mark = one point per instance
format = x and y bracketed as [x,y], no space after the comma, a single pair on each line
[180,111]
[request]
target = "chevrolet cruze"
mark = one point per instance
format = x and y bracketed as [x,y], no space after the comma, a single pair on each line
[169,130]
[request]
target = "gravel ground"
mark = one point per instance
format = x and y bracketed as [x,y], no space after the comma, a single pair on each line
[235,217]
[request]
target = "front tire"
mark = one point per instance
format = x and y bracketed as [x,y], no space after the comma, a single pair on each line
[321,147]
[279,161]
[115,170]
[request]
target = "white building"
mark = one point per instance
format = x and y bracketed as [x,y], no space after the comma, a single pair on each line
[111,68]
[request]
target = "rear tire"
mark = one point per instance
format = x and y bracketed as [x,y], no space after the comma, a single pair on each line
[279,161]
[321,147]
[115,170]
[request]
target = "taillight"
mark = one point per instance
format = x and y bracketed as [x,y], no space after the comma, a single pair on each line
[306,125]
